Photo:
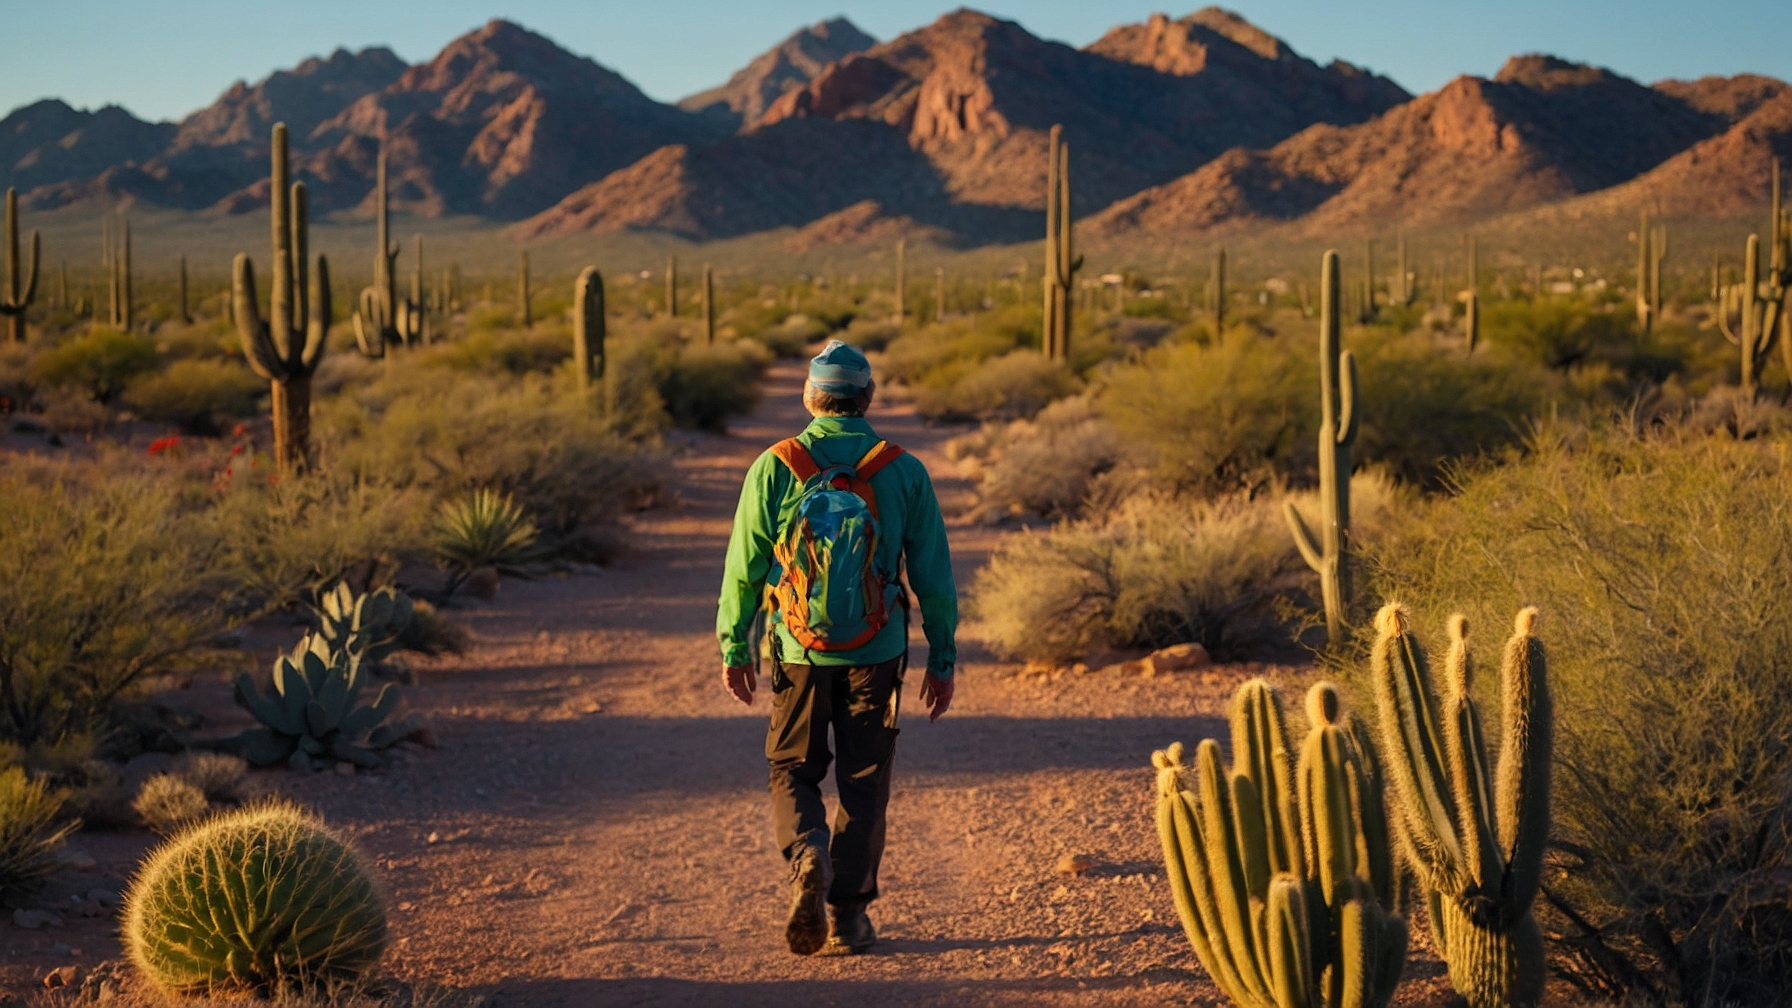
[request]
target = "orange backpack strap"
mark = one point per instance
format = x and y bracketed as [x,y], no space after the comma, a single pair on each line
[794,455]
[880,455]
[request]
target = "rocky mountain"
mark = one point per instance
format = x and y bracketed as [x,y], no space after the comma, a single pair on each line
[951,123]
[47,143]
[792,64]
[1539,131]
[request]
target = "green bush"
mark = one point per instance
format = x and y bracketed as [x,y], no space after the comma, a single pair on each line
[705,386]
[317,914]
[1047,465]
[914,357]
[196,395]
[101,362]
[1153,570]
[542,348]
[1662,566]
[30,835]
[1014,385]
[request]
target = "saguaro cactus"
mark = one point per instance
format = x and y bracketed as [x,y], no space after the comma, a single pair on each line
[672,287]
[1759,311]
[588,327]
[418,328]
[383,321]
[1408,290]
[186,316]
[1282,876]
[525,314]
[1645,312]
[286,347]
[1061,260]
[117,261]
[1329,556]
[709,304]
[1471,317]
[939,295]
[1216,293]
[901,280]
[1475,839]
[18,295]
[1368,305]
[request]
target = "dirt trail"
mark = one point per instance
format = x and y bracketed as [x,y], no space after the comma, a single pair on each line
[594,828]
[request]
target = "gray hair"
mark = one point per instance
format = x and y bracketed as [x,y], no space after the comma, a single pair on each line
[822,404]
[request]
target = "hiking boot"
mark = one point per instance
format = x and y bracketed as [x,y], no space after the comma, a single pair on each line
[811,872]
[849,930]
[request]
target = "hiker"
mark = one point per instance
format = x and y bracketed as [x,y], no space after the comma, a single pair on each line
[826,524]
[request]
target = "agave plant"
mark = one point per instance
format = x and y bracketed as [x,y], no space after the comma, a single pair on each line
[369,626]
[30,835]
[313,710]
[485,529]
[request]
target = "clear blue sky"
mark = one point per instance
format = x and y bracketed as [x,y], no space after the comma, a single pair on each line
[163,60]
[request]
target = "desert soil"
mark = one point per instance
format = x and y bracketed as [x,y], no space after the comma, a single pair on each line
[593,829]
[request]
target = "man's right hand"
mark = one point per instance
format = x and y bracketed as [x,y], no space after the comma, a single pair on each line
[740,681]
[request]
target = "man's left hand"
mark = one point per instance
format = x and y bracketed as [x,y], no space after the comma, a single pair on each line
[936,696]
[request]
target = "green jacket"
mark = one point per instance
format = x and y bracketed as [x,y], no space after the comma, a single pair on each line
[909,528]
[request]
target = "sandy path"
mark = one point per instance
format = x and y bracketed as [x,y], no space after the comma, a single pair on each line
[594,829]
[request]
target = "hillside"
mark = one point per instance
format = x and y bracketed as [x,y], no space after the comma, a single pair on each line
[789,65]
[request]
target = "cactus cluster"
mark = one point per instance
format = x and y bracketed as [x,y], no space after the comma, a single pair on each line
[1757,312]
[588,327]
[18,294]
[383,321]
[1329,555]
[1474,838]
[1283,876]
[285,348]
[264,899]
[1061,262]
[313,710]
[115,259]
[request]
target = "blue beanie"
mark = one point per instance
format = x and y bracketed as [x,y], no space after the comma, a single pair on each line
[840,369]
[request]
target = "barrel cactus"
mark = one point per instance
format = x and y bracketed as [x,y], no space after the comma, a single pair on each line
[264,898]
[313,711]
[1283,875]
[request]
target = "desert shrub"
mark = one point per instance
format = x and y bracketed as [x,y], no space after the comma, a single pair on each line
[792,336]
[318,913]
[1662,565]
[1211,418]
[100,362]
[1558,332]
[166,802]
[1153,570]
[109,576]
[538,349]
[1016,384]
[1048,464]
[30,833]
[17,384]
[870,334]
[69,410]
[445,434]
[705,386]
[914,357]
[220,777]
[196,395]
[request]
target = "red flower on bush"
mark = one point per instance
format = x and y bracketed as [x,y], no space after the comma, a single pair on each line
[239,430]
[164,445]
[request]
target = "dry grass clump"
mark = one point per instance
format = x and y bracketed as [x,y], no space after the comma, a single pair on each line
[1153,570]
[168,802]
[1662,565]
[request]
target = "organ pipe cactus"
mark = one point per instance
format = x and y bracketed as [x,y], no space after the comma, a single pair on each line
[18,295]
[1474,838]
[264,898]
[312,710]
[1759,316]
[1061,262]
[1329,554]
[286,347]
[1282,875]
[588,327]
[383,321]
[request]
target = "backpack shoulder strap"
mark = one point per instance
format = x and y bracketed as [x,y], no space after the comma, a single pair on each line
[880,455]
[792,453]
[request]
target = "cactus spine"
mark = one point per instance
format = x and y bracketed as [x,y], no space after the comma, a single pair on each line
[524,311]
[264,898]
[286,348]
[1475,839]
[709,305]
[1471,318]
[588,326]
[1330,555]
[1282,876]
[383,321]
[1061,260]
[672,287]
[1216,293]
[18,295]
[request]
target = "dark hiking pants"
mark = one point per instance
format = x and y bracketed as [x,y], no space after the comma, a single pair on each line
[860,703]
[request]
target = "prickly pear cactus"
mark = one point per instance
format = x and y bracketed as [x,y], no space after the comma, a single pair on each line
[264,898]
